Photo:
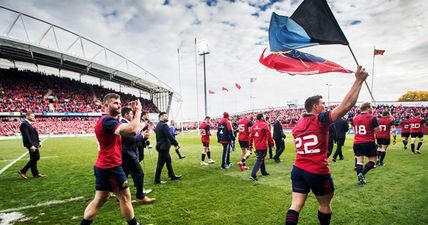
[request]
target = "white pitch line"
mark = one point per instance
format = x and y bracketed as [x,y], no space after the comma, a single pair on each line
[16,160]
[46,157]
[54,202]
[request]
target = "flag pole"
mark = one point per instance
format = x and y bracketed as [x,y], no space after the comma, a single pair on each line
[374,49]
[356,61]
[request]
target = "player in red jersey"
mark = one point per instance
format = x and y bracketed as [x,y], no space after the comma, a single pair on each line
[310,170]
[416,125]
[205,131]
[244,127]
[262,138]
[108,171]
[383,138]
[405,131]
[365,126]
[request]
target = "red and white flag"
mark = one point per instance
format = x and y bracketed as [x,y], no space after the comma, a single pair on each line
[378,52]
[238,86]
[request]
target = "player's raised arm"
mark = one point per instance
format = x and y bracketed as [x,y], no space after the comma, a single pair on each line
[351,98]
[131,128]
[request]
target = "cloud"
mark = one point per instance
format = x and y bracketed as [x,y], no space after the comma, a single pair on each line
[150,31]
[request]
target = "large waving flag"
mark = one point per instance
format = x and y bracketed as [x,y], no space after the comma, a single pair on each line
[311,24]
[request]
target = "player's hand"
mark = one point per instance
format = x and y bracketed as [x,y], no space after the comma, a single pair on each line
[361,73]
[33,149]
[135,105]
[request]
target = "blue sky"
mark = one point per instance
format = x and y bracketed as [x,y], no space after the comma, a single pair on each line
[150,31]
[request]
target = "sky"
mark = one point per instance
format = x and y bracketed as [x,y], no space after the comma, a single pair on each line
[149,33]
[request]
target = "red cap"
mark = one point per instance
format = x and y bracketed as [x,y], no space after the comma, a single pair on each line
[225,115]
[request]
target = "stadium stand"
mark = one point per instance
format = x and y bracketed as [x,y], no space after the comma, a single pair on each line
[40,93]
[292,115]
[24,90]
[43,94]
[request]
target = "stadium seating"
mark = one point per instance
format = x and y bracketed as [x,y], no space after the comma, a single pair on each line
[292,115]
[24,90]
[28,91]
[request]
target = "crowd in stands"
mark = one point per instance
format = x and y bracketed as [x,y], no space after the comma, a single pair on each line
[290,116]
[52,125]
[29,91]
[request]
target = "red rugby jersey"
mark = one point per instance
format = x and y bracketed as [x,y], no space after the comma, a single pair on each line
[416,125]
[385,127]
[364,125]
[244,125]
[405,126]
[109,144]
[311,142]
[204,130]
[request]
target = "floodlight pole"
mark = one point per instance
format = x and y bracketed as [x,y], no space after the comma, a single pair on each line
[205,82]
[328,94]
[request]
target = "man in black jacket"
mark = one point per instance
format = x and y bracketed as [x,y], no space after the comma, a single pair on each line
[341,127]
[164,140]
[331,139]
[143,143]
[130,157]
[31,141]
[279,138]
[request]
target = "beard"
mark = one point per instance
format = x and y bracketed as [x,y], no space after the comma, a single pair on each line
[114,112]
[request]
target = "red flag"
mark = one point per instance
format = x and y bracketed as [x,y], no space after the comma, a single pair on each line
[238,86]
[224,89]
[294,62]
[211,92]
[378,52]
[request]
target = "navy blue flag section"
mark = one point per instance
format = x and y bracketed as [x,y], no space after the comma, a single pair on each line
[318,21]
[311,24]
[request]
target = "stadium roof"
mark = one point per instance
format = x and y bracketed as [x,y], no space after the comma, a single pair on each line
[32,40]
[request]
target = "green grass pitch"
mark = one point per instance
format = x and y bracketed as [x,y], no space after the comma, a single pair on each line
[395,194]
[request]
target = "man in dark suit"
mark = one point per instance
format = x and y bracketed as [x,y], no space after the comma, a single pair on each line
[130,158]
[143,143]
[331,139]
[279,138]
[341,126]
[31,141]
[164,140]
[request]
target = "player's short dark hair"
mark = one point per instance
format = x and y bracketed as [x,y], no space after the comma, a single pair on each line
[365,106]
[207,117]
[161,114]
[110,96]
[125,110]
[311,101]
[259,116]
[385,113]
